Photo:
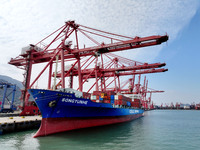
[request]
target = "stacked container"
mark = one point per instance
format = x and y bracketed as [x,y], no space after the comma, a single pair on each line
[112,99]
[136,103]
[95,98]
[86,95]
[122,100]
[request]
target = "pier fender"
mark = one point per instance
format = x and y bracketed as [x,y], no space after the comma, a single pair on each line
[52,103]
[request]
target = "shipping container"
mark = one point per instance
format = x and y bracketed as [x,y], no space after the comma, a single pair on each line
[116,97]
[112,101]
[106,97]
[93,97]
[86,95]
[112,97]
[136,104]
[128,103]
[106,101]
[118,102]
[122,97]
[124,102]
[136,100]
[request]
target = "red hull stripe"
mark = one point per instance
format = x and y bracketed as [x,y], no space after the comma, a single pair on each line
[56,125]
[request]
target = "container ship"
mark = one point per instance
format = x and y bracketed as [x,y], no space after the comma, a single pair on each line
[68,109]
[77,107]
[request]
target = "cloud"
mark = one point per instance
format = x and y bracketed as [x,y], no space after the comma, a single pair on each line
[23,21]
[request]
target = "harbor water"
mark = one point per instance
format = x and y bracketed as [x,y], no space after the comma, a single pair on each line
[157,130]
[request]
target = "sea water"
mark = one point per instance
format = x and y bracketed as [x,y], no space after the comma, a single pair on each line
[157,130]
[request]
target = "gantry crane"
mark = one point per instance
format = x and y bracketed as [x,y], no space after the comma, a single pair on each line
[110,70]
[149,102]
[60,50]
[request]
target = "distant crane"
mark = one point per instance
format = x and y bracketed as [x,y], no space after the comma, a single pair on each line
[150,102]
[5,98]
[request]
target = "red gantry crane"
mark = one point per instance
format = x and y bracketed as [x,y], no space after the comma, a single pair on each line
[149,103]
[110,70]
[61,50]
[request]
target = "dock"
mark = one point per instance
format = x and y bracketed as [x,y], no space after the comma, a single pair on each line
[19,123]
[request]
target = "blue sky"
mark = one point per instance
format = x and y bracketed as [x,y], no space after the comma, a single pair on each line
[24,21]
[181,82]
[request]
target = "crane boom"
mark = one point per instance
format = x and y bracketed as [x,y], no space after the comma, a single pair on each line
[46,54]
[128,70]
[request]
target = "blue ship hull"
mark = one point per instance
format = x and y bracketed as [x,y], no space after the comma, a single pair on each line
[63,111]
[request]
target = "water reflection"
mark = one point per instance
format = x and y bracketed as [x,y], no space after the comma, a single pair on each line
[116,136]
[19,140]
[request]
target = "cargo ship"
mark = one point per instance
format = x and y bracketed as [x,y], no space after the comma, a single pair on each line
[68,109]
[93,60]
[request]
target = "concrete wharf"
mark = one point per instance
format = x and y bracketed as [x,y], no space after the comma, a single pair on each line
[19,123]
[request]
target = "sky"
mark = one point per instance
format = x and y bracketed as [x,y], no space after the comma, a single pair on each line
[24,21]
